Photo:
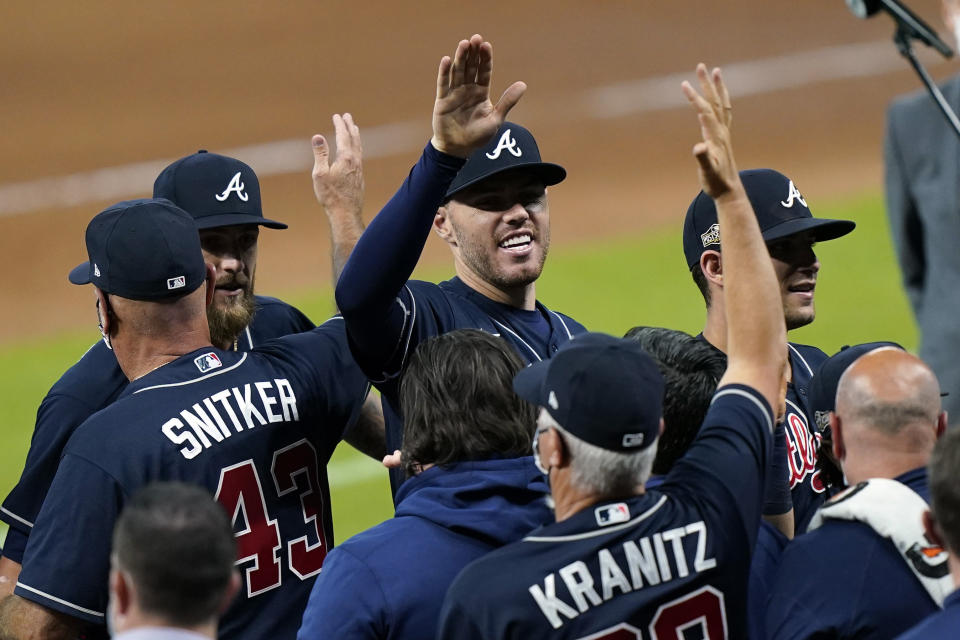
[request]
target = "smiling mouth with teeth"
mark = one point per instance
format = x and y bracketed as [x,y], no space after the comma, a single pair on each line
[516,241]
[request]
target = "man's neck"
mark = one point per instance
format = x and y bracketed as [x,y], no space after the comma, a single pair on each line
[521,297]
[570,500]
[139,355]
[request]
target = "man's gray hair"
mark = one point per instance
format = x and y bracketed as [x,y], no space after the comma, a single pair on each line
[604,472]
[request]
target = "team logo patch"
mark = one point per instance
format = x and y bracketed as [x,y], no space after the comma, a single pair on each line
[505,143]
[96,270]
[793,194]
[176,283]
[207,362]
[552,401]
[929,561]
[632,439]
[235,186]
[711,235]
[612,514]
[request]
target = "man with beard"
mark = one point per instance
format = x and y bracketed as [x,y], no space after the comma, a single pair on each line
[223,196]
[790,232]
[481,186]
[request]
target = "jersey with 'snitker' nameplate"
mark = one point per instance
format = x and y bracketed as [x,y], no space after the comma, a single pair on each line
[91,384]
[666,565]
[256,429]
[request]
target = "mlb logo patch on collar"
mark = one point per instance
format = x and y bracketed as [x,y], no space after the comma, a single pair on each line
[612,514]
[207,362]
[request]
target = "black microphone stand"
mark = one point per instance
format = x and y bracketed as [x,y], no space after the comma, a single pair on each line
[903,39]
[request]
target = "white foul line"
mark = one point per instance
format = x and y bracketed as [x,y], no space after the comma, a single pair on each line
[657,93]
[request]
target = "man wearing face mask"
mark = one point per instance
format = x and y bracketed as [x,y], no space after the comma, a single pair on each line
[923,207]
[866,568]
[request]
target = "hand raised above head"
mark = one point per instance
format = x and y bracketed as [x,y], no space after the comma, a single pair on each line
[718,170]
[464,117]
[339,185]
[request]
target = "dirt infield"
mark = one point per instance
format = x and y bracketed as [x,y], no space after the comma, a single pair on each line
[93,85]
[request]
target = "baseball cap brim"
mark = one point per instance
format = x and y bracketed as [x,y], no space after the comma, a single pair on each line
[823,229]
[548,172]
[80,274]
[229,219]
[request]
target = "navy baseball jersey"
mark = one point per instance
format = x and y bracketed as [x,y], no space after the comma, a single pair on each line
[843,580]
[802,438]
[256,429]
[665,565]
[942,625]
[388,315]
[91,384]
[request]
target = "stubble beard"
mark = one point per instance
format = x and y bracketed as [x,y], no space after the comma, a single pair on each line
[482,263]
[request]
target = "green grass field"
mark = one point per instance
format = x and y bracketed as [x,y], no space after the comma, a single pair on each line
[609,286]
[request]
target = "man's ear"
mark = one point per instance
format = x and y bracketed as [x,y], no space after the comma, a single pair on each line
[105,318]
[836,432]
[942,424]
[231,591]
[442,225]
[932,529]
[712,266]
[211,281]
[120,588]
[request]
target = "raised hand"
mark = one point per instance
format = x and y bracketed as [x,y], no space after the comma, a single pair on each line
[339,186]
[718,171]
[464,117]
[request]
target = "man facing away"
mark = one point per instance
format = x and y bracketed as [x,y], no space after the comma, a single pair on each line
[171,568]
[865,569]
[471,487]
[223,196]
[255,428]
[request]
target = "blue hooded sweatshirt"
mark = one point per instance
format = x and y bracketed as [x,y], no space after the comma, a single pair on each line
[390,581]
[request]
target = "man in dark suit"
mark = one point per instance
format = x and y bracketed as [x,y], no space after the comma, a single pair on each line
[922,158]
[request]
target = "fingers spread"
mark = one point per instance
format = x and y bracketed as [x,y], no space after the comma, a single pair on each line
[510,98]
[444,77]
[485,68]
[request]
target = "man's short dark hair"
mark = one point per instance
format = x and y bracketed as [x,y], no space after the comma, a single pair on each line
[944,489]
[458,402]
[177,546]
[691,370]
[701,281]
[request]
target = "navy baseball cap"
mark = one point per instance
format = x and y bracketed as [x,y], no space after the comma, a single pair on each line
[606,391]
[778,205]
[823,385]
[511,148]
[146,249]
[216,190]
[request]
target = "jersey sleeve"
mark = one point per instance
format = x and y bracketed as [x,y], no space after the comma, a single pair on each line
[346,602]
[370,291]
[57,418]
[726,465]
[322,363]
[66,564]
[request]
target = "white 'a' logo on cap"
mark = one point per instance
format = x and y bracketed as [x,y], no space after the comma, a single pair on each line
[794,194]
[235,186]
[96,270]
[508,143]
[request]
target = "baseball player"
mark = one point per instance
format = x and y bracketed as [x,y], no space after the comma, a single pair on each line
[870,571]
[223,195]
[622,562]
[790,231]
[943,527]
[481,186]
[255,428]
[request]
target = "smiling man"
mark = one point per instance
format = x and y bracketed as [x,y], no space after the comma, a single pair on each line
[481,186]
[790,231]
